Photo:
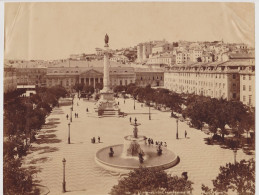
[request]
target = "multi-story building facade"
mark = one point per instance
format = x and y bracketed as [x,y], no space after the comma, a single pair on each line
[147,76]
[119,58]
[161,59]
[69,76]
[182,57]
[31,76]
[161,48]
[216,79]
[195,54]
[10,83]
[99,51]
[247,83]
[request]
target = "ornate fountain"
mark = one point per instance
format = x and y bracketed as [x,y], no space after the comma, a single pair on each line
[133,143]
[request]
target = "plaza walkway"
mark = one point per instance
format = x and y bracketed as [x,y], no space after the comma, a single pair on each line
[84,176]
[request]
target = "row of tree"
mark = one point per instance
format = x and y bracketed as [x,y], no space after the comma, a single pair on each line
[216,113]
[23,117]
[219,113]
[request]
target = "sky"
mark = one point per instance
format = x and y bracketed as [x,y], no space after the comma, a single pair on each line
[55,30]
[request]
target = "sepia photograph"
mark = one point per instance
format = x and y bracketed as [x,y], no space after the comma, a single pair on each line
[144,98]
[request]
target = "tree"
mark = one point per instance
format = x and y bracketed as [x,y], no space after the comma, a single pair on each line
[150,180]
[88,89]
[16,179]
[99,86]
[238,177]
[78,87]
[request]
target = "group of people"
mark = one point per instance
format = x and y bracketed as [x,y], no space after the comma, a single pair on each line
[93,140]
[76,115]
[158,143]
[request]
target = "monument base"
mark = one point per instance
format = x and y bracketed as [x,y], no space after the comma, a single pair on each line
[107,106]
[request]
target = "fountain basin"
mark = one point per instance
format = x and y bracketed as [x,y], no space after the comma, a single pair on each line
[167,160]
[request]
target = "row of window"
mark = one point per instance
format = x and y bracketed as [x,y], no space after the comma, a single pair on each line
[244,87]
[249,99]
[161,78]
[249,77]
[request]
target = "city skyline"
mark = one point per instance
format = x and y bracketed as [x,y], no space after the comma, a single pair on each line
[56,30]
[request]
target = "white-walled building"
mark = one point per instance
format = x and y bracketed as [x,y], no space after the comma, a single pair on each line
[161,48]
[161,59]
[215,79]
[247,83]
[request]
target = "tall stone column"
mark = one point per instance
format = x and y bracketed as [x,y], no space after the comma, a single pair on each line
[106,79]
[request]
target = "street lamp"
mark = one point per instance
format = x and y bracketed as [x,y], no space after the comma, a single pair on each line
[64,181]
[71,109]
[177,129]
[68,133]
[134,103]
[149,113]
[72,102]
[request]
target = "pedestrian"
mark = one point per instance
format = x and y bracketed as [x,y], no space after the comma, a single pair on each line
[93,139]
[99,139]
[124,101]
[185,133]
[165,144]
[77,115]
[118,103]
[86,109]
[130,119]
[77,104]
[156,143]
[67,116]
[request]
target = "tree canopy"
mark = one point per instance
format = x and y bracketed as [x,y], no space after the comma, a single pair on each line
[234,177]
[150,180]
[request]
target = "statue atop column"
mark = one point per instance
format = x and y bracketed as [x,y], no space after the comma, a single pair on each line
[106,40]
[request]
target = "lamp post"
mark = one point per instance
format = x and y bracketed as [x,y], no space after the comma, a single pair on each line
[68,133]
[72,103]
[134,103]
[64,180]
[149,115]
[176,128]
[71,109]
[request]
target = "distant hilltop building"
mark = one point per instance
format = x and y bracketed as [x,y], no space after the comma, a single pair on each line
[143,51]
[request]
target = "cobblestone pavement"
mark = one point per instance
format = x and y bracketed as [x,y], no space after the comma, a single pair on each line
[84,176]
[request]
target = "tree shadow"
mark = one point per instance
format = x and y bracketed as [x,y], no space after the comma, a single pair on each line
[46,126]
[47,139]
[45,149]
[39,160]
[52,123]
[34,170]
[50,131]
[53,119]
[248,149]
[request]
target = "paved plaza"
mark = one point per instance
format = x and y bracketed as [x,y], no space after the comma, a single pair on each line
[84,176]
